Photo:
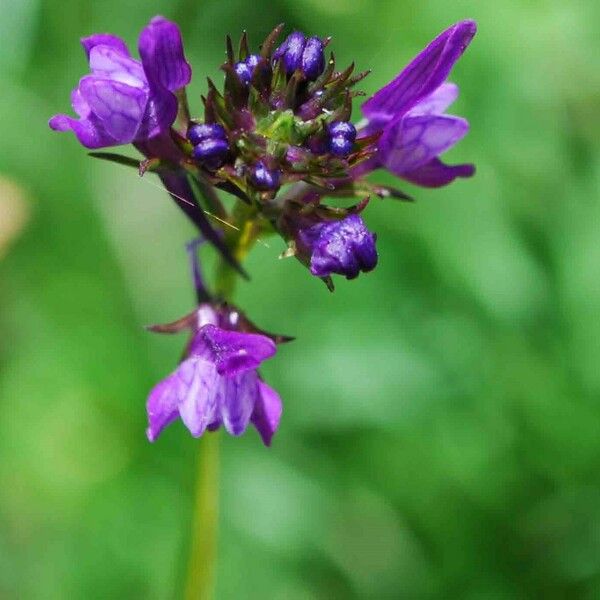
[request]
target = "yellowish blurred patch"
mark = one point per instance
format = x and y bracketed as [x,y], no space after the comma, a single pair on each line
[14,212]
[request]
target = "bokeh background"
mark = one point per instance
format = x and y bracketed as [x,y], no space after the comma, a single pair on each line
[441,433]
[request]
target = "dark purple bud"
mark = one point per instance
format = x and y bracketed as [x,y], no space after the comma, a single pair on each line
[340,146]
[243,72]
[344,247]
[245,68]
[313,58]
[342,129]
[264,178]
[198,132]
[252,61]
[211,152]
[291,52]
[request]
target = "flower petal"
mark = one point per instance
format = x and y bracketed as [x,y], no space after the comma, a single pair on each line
[232,352]
[162,406]
[237,404]
[119,106]
[198,393]
[89,131]
[437,102]
[80,106]
[104,39]
[161,50]
[109,63]
[427,71]
[161,111]
[267,412]
[411,142]
[436,174]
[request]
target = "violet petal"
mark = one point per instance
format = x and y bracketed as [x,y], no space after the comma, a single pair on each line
[232,352]
[198,392]
[437,102]
[436,174]
[119,106]
[90,131]
[239,397]
[267,412]
[426,72]
[162,406]
[413,141]
[104,39]
[110,63]
[161,50]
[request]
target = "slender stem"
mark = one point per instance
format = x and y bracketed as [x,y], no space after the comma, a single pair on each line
[202,562]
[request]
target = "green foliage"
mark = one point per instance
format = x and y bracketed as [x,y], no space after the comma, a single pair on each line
[441,432]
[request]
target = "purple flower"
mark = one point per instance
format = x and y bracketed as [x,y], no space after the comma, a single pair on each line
[410,112]
[345,247]
[217,383]
[124,100]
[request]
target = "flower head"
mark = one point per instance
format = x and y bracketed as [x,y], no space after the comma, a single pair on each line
[275,112]
[217,384]
[409,111]
[124,100]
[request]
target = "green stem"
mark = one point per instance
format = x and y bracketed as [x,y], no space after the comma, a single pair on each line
[205,522]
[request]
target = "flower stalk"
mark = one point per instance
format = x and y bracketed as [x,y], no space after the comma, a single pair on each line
[202,561]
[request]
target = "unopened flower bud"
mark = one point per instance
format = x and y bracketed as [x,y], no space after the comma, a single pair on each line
[198,132]
[211,152]
[343,129]
[245,68]
[329,246]
[298,52]
[291,52]
[313,58]
[345,247]
[343,134]
[340,146]
[264,178]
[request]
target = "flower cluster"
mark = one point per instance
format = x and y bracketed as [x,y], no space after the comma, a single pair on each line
[278,137]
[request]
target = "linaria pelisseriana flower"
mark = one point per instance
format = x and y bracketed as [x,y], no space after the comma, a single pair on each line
[217,383]
[127,101]
[410,113]
[124,100]
[278,137]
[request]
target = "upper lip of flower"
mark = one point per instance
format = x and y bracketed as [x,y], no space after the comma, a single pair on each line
[423,75]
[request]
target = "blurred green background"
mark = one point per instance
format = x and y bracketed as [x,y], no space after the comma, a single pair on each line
[441,430]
